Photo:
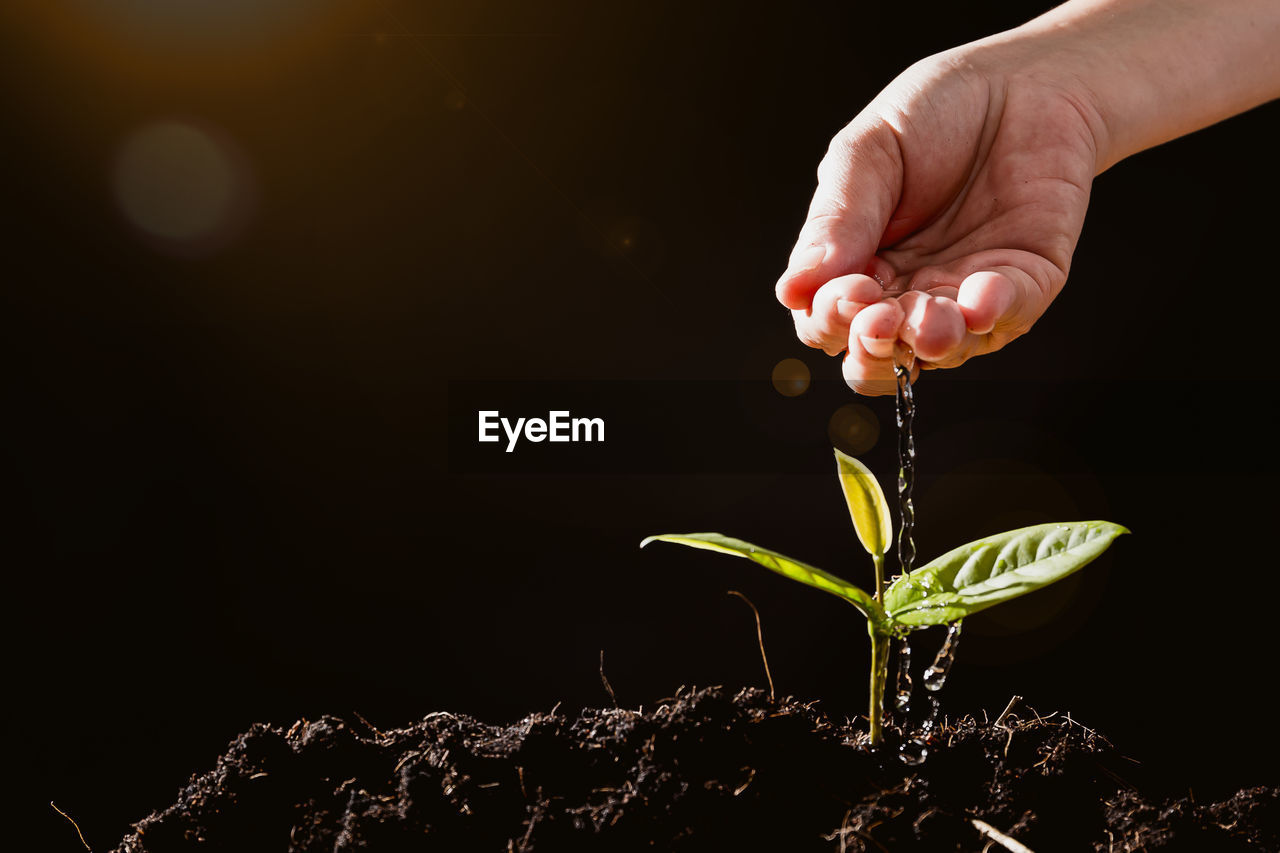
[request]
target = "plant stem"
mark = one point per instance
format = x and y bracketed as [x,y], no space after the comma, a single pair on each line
[879,659]
[879,674]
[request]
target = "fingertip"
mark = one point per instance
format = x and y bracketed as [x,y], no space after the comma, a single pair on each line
[840,300]
[858,287]
[840,294]
[878,321]
[796,290]
[934,327]
[833,307]
[802,278]
[944,291]
[877,347]
[873,336]
[866,375]
[984,299]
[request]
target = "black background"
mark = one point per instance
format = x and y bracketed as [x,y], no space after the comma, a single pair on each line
[235,497]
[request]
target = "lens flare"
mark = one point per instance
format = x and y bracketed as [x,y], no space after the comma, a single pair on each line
[791,377]
[183,186]
[853,428]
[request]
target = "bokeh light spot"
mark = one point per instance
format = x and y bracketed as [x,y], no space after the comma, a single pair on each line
[181,184]
[791,377]
[853,428]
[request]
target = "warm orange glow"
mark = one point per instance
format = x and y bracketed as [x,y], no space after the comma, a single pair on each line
[158,42]
[853,428]
[791,377]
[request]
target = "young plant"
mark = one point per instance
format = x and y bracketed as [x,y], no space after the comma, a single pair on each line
[961,582]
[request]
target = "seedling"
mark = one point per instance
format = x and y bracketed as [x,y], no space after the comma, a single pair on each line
[961,582]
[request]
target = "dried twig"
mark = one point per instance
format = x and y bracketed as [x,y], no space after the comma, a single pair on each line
[1007,710]
[760,640]
[605,681]
[1081,725]
[405,759]
[1010,844]
[370,726]
[738,790]
[73,823]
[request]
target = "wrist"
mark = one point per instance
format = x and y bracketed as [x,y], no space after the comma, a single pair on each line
[1103,60]
[1152,70]
[1067,68]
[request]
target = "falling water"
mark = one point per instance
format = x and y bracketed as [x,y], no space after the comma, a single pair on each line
[904,400]
[902,698]
[936,675]
[915,750]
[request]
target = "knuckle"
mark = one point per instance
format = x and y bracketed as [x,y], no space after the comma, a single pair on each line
[998,338]
[840,151]
[807,339]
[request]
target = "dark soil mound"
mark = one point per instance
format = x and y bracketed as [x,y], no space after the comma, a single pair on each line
[705,770]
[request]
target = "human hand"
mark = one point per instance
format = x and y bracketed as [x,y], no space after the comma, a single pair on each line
[946,213]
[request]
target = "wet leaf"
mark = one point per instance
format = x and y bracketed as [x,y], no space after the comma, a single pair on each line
[976,576]
[867,505]
[779,563]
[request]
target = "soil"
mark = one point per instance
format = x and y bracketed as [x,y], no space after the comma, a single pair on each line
[704,770]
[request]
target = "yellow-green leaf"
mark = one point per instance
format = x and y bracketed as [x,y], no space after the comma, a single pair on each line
[867,505]
[781,564]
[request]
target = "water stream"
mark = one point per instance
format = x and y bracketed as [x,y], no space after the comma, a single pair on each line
[914,750]
[902,693]
[905,406]
[935,677]
[905,402]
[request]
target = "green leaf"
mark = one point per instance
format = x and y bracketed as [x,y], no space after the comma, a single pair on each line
[783,565]
[976,576]
[867,506]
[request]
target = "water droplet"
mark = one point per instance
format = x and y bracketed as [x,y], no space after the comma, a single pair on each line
[902,699]
[935,677]
[913,752]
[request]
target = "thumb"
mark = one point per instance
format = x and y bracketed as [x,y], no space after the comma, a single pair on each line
[859,183]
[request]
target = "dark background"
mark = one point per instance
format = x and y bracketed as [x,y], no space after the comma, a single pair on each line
[234,492]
